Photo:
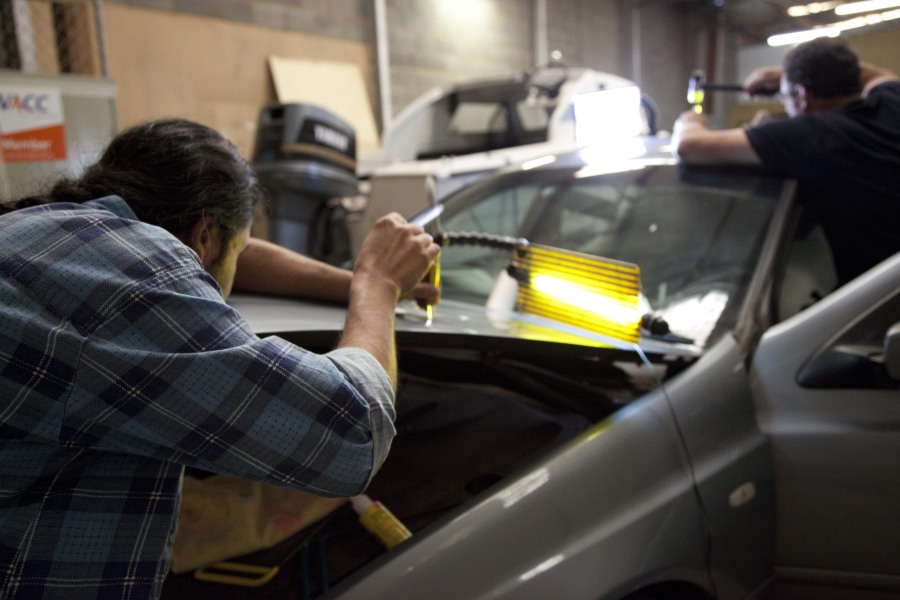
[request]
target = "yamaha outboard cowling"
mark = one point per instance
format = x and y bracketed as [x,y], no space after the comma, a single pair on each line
[305,158]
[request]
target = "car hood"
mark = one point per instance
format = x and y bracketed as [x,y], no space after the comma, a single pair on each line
[455,324]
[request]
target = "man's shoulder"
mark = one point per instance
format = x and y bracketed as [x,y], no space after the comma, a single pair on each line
[889,88]
[787,128]
[70,219]
[115,205]
[99,236]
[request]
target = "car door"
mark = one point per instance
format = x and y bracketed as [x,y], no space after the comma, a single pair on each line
[832,414]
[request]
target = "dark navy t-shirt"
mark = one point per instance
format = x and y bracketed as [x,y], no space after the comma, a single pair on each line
[847,163]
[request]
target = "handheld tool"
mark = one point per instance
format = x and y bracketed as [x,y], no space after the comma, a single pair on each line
[434,278]
[698,86]
[434,274]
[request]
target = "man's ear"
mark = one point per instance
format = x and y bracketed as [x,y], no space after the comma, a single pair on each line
[803,98]
[205,238]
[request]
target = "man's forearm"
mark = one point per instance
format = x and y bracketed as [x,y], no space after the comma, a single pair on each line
[695,143]
[871,76]
[266,268]
[370,321]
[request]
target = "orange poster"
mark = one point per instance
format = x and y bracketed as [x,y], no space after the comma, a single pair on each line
[32,127]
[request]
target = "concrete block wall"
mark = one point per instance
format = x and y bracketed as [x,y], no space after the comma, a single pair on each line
[588,34]
[667,46]
[440,42]
[345,19]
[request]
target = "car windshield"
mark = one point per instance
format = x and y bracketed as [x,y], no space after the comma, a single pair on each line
[696,236]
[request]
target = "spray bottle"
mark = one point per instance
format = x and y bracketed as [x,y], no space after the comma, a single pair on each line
[379,521]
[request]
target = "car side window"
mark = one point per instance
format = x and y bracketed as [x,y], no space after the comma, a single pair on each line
[478,118]
[809,274]
[856,358]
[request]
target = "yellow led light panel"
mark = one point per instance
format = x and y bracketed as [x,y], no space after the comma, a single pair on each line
[597,294]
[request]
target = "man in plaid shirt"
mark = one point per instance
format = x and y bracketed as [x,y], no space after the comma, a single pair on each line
[120,363]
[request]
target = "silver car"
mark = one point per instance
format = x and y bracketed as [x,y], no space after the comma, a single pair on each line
[748,446]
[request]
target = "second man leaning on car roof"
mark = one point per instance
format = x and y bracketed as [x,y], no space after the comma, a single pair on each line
[841,144]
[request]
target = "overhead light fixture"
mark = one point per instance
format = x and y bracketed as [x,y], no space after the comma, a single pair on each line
[798,37]
[852,8]
[804,10]
[866,20]
[834,29]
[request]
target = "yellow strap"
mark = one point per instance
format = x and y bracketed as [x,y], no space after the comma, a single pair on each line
[241,574]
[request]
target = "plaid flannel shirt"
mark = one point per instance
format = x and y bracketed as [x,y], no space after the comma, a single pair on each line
[119,365]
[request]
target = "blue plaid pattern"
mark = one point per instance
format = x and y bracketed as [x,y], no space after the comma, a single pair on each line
[119,365]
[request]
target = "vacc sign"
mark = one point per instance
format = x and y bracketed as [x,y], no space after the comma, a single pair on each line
[32,127]
[25,103]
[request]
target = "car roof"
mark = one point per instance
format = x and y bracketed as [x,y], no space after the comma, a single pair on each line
[623,154]
[647,149]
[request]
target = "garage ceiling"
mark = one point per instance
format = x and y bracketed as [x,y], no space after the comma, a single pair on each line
[761,18]
[756,20]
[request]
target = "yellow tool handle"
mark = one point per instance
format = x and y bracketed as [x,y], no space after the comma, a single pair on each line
[241,574]
[433,277]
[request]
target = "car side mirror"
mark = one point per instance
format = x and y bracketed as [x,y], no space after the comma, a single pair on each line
[856,365]
[892,351]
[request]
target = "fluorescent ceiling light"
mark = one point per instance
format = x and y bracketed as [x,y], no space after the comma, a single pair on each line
[798,37]
[866,20]
[852,8]
[804,10]
[834,29]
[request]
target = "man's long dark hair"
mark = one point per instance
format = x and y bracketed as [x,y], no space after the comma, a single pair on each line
[826,66]
[171,172]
